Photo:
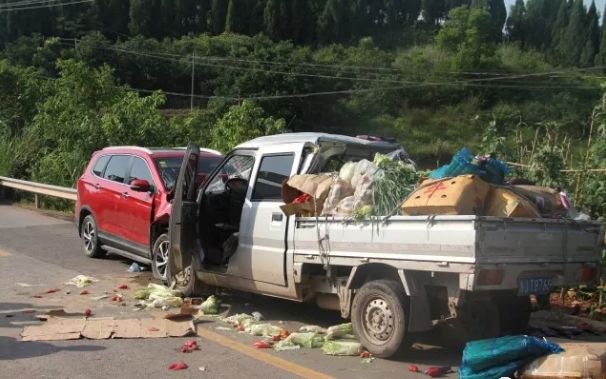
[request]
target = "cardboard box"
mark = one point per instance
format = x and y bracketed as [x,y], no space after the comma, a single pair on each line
[579,360]
[461,195]
[503,202]
[317,186]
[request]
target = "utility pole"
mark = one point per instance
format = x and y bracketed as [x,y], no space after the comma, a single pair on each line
[193,73]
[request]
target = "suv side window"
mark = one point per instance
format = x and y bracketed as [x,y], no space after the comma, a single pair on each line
[100,165]
[273,171]
[116,168]
[140,170]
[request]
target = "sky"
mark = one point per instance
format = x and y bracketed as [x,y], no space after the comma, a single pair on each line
[598,3]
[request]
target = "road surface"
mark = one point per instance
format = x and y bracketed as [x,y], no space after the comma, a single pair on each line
[41,251]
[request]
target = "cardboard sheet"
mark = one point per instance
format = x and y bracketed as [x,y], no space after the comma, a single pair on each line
[104,328]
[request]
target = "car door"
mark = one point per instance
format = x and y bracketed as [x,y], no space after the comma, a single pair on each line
[136,207]
[262,246]
[113,186]
[183,220]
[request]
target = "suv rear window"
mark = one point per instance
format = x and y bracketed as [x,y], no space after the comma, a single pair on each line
[116,168]
[100,165]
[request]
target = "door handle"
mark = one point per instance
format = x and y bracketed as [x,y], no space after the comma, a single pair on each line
[125,195]
[97,186]
[277,216]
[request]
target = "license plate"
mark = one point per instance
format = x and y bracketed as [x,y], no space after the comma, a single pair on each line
[534,286]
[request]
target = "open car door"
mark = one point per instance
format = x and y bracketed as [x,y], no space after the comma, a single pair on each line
[183,218]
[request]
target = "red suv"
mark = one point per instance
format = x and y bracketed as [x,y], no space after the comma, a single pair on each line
[124,202]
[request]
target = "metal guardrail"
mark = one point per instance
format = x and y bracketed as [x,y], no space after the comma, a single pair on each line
[39,189]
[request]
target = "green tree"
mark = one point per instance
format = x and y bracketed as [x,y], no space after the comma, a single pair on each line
[271,19]
[575,35]
[302,21]
[218,14]
[242,123]
[433,11]
[333,22]
[468,34]
[515,27]
[141,18]
[236,16]
[112,17]
[600,59]
[559,40]
[592,43]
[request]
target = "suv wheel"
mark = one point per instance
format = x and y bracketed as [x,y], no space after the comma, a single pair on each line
[159,257]
[90,238]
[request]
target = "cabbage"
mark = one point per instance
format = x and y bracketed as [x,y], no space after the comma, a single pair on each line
[307,339]
[342,348]
[312,328]
[210,306]
[338,331]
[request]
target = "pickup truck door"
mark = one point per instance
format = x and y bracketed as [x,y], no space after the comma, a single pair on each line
[261,253]
[182,225]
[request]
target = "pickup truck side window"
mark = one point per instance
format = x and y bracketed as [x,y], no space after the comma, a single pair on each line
[236,167]
[273,171]
[116,168]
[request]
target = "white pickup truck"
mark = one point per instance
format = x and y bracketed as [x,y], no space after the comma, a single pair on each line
[399,276]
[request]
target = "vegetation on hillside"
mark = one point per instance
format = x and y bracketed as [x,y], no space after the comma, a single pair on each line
[434,74]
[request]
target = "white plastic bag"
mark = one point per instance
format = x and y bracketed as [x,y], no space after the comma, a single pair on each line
[339,190]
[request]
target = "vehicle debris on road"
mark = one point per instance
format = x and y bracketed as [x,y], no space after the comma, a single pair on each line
[177,366]
[502,357]
[81,281]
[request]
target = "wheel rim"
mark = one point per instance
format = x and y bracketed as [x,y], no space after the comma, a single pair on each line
[161,258]
[88,236]
[379,321]
[184,277]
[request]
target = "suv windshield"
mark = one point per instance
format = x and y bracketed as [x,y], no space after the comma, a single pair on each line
[169,168]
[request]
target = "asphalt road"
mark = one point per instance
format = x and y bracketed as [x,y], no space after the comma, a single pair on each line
[40,251]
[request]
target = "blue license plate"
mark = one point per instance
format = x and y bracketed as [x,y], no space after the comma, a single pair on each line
[534,286]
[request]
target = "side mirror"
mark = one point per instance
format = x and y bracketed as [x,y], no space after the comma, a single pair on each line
[140,185]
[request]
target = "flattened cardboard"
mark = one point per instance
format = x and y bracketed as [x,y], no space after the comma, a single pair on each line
[130,328]
[54,329]
[104,328]
[98,329]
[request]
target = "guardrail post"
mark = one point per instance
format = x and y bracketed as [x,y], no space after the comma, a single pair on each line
[36,201]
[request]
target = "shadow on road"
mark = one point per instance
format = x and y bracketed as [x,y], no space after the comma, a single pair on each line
[11,348]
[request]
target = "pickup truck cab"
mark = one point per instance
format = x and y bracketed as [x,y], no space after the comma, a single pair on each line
[123,204]
[401,275]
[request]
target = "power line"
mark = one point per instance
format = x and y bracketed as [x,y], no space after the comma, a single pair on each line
[181,57]
[48,5]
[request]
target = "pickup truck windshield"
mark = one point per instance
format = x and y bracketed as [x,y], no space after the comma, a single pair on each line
[168,168]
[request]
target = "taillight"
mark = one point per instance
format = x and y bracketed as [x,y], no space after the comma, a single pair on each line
[588,273]
[490,277]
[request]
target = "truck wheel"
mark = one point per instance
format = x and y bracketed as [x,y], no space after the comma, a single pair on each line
[378,317]
[159,258]
[90,238]
[477,319]
[186,280]
[514,312]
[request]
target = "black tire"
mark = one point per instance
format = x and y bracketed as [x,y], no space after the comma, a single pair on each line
[90,238]
[515,314]
[476,319]
[159,257]
[378,315]
[185,281]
